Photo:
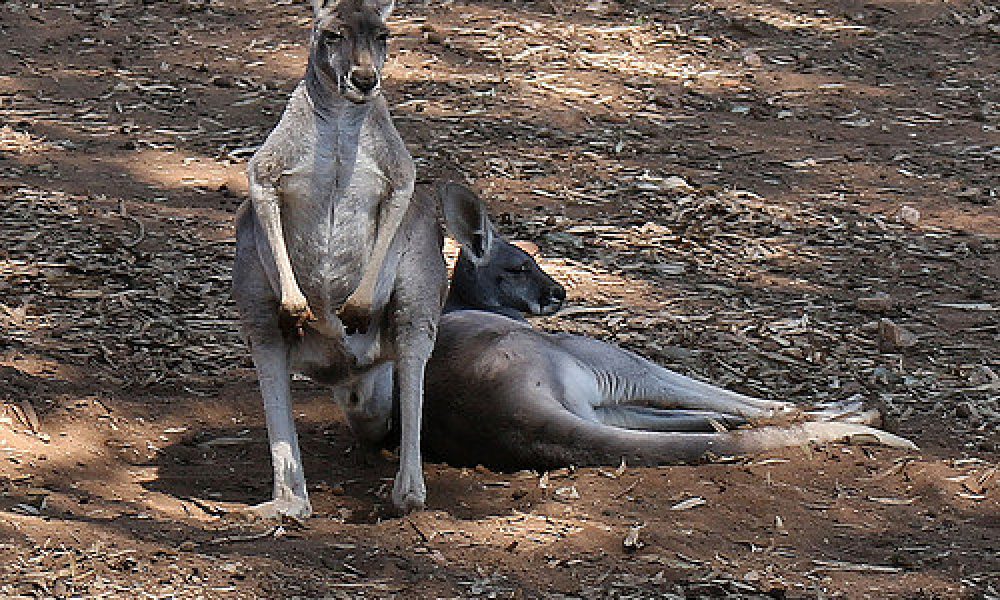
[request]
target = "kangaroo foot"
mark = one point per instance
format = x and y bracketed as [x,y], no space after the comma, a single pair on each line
[408,492]
[298,508]
[825,431]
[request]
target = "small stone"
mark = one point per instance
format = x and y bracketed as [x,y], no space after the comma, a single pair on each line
[752,59]
[679,353]
[966,410]
[631,543]
[879,303]
[431,34]
[893,337]
[909,215]
[674,183]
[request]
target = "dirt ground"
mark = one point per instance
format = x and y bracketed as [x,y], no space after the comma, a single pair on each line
[721,185]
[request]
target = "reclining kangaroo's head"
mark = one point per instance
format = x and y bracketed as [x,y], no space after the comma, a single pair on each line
[492,274]
[348,47]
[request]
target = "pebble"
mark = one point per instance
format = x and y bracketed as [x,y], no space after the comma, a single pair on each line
[893,337]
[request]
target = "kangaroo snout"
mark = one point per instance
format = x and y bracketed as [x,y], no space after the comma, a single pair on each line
[364,79]
[552,299]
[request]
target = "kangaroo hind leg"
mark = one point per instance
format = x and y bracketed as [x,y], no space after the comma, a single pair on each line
[657,419]
[628,379]
[290,497]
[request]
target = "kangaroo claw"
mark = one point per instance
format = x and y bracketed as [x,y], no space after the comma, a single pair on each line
[851,410]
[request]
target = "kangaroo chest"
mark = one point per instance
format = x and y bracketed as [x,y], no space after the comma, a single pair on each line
[330,216]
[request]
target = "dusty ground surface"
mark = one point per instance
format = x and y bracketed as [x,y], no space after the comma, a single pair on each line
[716,183]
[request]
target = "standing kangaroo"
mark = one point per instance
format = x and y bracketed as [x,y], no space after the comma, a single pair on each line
[502,394]
[336,270]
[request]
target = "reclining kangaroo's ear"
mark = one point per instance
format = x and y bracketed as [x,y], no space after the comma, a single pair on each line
[382,7]
[466,219]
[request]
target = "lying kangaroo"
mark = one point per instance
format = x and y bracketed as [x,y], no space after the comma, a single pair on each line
[330,227]
[502,394]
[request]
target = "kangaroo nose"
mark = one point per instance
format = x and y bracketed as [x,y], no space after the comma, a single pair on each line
[365,79]
[553,298]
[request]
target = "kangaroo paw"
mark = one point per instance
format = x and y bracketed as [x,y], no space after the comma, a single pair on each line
[356,316]
[408,493]
[293,315]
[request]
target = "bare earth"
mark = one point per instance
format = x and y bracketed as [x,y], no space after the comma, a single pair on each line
[716,183]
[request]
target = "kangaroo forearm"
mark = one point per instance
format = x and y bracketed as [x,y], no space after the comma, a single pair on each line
[389,225]
[267,207]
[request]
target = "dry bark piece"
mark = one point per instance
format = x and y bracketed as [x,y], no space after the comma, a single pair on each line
[689,503]
[879,303]
[568,492]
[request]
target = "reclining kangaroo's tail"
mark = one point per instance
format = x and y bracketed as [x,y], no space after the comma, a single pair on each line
[573,440]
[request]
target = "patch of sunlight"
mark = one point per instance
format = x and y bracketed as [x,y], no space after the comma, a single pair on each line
[21,142]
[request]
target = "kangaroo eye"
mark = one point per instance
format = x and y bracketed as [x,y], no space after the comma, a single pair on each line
[382,36]
[333,36]
[521,268]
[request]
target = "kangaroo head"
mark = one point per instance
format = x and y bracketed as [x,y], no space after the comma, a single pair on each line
[348,49]
[492,274]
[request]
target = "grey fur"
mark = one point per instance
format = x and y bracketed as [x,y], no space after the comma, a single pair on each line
[337,271]
[502,394]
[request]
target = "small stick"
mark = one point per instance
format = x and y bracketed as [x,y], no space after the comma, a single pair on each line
[628,489]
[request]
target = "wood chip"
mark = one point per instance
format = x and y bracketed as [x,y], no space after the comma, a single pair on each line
[689,503]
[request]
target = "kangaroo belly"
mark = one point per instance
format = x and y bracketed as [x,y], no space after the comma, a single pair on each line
[490,397]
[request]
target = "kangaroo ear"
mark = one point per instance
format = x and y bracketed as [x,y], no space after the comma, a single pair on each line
[466,219]
[382,7]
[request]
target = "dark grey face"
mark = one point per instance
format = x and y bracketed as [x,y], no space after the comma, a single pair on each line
[508,280]
[492,274]
[349,47]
